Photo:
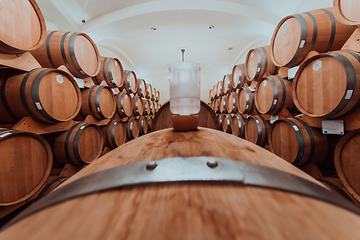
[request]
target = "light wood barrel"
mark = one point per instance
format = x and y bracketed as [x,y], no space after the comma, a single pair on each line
[320,91]
[273,94]
[138,105]
[147,107]
[219,87]
[226,123]
[296,35]
[23,27]
[150,123]
[238,76]
[153,96]
[132,128]
[52,182]
[346,11]
[172,210]
[217,106]
[153,108]
[210,95]
[80,145]
[26,161]
[293,140]
[222,106]
[258,62]
[98,101]
[141,89]
[130,81]
[148,91]
[256,130]
[47,95]
[111,71]
[143,125]
[74,50]
[347,165]
[246,100]
[220,120]
[227,84]
[232,105]
[114,134]
[124,106]
[238,126]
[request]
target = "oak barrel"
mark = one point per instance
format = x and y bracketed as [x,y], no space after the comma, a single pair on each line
[111,71]
[97,101]
[79,145]
[273,94]
[347,11]
[130,81]
[246,102]
[219,87]
[27,33]
[232,100]
[148,91]
[47,95]
[147,107]
[138,105]
[256,130]
[293,140]
[114,134]
[75,50]
[328,85]
[220,119]
[124,106]
[52,182]
[153,108]
[211,95]
[141,89]
[222,106]
[296,35]
[132,128]
[189,210]
[227,87]
[150,123]
[143,125]
[25,164]
[238,125]
[258,62]
[226,123]
[238,76]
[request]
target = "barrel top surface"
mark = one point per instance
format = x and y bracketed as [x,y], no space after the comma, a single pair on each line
[87,54]
[116,71]
[243,98]
[264,96]
[107,102]
[90,143]
[126,103]
[251,131]
[120,134]
[23,25]
[320,86]
[347,9]
[251,64]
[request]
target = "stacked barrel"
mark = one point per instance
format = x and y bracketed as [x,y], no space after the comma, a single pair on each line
[279,111]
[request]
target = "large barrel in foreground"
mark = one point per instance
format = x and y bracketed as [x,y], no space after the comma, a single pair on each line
[347,11]
[190,209]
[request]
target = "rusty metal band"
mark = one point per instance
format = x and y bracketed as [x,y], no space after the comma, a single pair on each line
[208,170]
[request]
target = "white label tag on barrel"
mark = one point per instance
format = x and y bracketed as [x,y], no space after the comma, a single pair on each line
[98,109]
[275,101]
[251,89]
[317,65]
[38,105]
[348,94]
[285,26]
[82,72]
[292,72]
[258,70]
[247,106]
[114,90]
[257,121]
[296,128]
[264,83]
[112,80]
[59,79]
[80,82]
[252,54]
[116,64]
[302,43]
[82,127]
[5,134]
[333,127]
[273,118]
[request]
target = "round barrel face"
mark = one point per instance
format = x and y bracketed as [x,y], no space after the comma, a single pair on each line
[320,86]
[21,24]
[116,72]
[133,82]
[132,128]
[350,10]
[87,55]
[142,88]
[23,165]
[107,104]
[59,96]
[252,64]
[252,131]
[235,126]
[219,88]
[284,141]
[120,133]
[264,96]
[286,41]
[90,144]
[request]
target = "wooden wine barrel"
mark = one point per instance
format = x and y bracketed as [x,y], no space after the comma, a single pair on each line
[220,119]
[210,95]
[163,118]
[158,96]
[273,94]
[256,130]
[238,126]
[238,76]
[74,50]
[214,92]
[141,89]
[171,210]
[47,95]
[150,123]
[336,186]
[246,100]
[222,106]
[114,134]
[227,84]
[80,145]
[293,140]
[26,162]
[27,33]
[130,81]
[143,125]
[124,106]
[219,87]
[258,62]
[132,128]
[148,91]
[217,106]
[97,101]
[153,97]
[319,91]
[232,105]
[153,108]
[111,71]
[226,123]
[52,182]
[296,35]
[346,11]
[346,162]
[138,105]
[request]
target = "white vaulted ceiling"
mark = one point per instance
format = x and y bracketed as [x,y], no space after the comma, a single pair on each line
[122,29]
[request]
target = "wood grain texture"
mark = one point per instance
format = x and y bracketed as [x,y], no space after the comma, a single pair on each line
[111,71]
[138,105]
[219,87]
[124,106]
[22,62]
[114,134]
[141,89]
[246,102]
[238,76]
[257,129]
[189,211]
[258,62]
[238,125]
[226,123]
[143,125]
[148,91]
[232,103]
[163,118]
[227,87]
[346,11]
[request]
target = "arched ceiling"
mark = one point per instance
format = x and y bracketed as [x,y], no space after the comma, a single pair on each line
[122,29]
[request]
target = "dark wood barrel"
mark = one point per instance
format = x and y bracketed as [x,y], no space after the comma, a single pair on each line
[138,105]
[338,93]
[226,123]
[124,106]
[47,95]
[296,35]
[336,186]
[273,94]
[147,107]
[132,128]
[256,130]
[232,100]
[74,50]
[258,62]
[238,76]
[143,125]
[114,134]
[97,101]
[26,161]
[111,71]
[52,182]
[130,81]
[153,108]
[238,125]
[246,101]
[227,87]
[293,140]
[27,33]
[141,89]
[346,11]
